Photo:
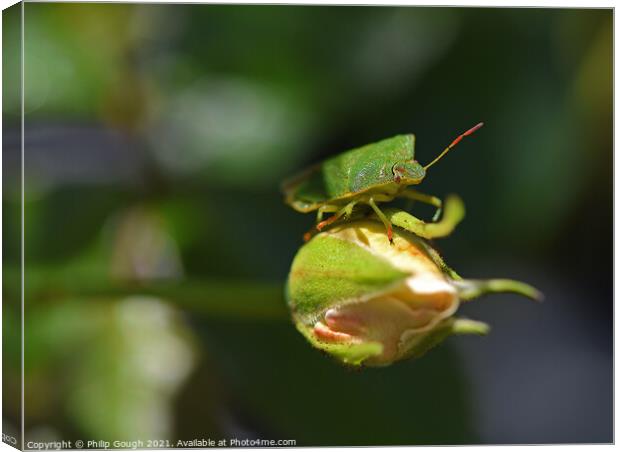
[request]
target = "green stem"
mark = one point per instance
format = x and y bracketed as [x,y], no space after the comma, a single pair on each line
[238,299]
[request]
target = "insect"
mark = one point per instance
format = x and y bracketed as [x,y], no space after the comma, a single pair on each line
[371,174]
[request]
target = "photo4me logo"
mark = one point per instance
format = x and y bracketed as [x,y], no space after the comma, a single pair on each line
[235,442]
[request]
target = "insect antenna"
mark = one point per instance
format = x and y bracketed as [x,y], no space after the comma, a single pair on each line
[454,143]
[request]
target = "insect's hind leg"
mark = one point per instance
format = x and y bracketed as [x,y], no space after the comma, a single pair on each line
[383,218]
[415,195]
[346,210]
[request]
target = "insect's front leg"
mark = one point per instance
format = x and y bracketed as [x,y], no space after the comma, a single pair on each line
[382,217]
[427,199]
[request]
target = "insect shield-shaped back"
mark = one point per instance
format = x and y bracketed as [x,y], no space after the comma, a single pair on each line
[364,301]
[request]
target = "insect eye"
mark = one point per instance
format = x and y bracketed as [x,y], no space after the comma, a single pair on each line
[397,171]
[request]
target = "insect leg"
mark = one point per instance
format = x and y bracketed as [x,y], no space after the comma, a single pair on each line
[324,208]
[382,217]
[428,199]
[346,210]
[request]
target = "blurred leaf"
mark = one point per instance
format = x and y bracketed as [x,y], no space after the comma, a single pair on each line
[142,248]
[121,364]
[243,132]
[65,73]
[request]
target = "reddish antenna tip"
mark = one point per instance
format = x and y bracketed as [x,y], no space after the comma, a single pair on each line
[474,128]
[454,143]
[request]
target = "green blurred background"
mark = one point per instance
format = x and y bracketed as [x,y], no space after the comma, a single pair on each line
[157,242]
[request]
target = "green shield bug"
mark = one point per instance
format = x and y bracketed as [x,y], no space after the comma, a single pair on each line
[365,302]
[371,174]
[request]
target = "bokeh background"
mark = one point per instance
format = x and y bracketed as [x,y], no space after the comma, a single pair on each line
[157,242]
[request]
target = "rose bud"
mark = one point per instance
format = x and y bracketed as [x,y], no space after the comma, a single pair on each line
[367,302]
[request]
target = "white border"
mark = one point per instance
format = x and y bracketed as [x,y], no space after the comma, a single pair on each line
[480,3]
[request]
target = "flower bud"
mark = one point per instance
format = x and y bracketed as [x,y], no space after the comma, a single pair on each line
[365,301]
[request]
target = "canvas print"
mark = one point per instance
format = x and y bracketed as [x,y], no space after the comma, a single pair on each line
[231,225]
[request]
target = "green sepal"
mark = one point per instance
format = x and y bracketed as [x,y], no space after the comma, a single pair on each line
[436,257]
[328,270]
[470,288]
[448,327]
[352,354]
[454,212]
[468,326]
[357,354]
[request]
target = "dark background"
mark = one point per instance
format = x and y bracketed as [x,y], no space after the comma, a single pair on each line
[157,242]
